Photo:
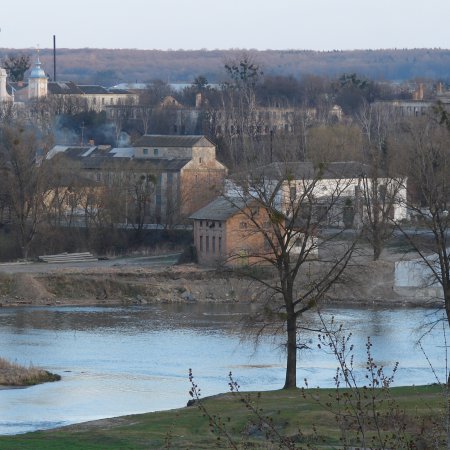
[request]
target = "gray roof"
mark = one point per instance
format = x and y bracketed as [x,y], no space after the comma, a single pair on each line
[219,209]
[283,170]
[69,87]
[346,170]
[118,91]
[92,89]
[17,85]
[154,164]
[70,151]
[159,140]
[63,87]
[307,171]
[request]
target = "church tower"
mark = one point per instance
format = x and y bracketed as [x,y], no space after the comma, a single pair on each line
[4,96]
[37,82]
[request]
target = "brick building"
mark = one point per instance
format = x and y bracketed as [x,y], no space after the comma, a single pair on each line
[176,175]
[227,231]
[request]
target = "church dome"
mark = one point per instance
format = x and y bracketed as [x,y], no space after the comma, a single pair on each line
[37,71]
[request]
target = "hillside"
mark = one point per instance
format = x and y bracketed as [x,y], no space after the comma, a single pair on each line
[112,66]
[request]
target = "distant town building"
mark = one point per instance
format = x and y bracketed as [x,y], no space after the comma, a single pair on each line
[4,95]
[179,174]
[226,231]
[95,97]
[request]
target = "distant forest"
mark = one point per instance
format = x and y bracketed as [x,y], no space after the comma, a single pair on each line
[112,66]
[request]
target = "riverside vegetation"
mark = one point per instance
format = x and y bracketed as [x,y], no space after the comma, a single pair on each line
[12,374]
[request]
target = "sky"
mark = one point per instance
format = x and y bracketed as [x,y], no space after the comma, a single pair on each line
[244,24]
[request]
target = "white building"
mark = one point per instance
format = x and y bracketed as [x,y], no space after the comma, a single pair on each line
[37,82]
[4,96]
[341,192]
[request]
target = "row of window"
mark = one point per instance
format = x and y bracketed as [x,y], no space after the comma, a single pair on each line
[210,223]
[258,129]
[155,151]
[206,248]
[111,101]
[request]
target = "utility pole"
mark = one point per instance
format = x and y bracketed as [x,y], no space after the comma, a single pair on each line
[54,58]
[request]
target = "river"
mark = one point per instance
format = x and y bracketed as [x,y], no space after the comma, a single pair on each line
[117,361]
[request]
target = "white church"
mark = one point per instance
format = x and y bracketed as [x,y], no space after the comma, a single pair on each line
[38,86]
[35,88]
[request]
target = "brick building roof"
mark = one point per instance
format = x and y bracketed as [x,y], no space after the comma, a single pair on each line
[156,164]
[219,209]
[157,140]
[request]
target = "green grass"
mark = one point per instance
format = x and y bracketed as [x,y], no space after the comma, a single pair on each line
[294,413]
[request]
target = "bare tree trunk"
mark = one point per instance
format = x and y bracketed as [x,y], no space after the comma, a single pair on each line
[291,369]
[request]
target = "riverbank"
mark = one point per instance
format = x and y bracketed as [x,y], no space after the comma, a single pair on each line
[364,283]
[311,416]
[14,375]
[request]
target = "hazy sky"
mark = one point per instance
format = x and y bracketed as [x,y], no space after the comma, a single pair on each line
[258,24]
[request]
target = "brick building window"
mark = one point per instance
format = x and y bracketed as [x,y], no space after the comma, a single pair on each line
[145,151]
[155,152]
[201,243]
[293,193]
[214,244]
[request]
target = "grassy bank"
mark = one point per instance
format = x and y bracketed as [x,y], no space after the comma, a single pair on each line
[314,416]
[12,374]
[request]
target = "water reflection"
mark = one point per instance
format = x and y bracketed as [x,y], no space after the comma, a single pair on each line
[117,361]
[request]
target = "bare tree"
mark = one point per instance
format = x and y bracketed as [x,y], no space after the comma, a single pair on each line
[428,202]
[284,214]
[140,191]
[239,108]
[8,112]
[381,190]
[26,181]
[428,141]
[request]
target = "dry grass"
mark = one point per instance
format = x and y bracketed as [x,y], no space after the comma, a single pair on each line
[12,374]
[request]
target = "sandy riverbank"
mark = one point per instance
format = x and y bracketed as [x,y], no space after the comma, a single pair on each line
[365,283]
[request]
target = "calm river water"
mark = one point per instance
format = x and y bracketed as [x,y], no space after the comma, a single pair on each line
[117,361]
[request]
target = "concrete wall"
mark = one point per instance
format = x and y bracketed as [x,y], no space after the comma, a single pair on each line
[415,279]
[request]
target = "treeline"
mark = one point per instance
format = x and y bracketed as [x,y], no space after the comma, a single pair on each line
[112,66]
